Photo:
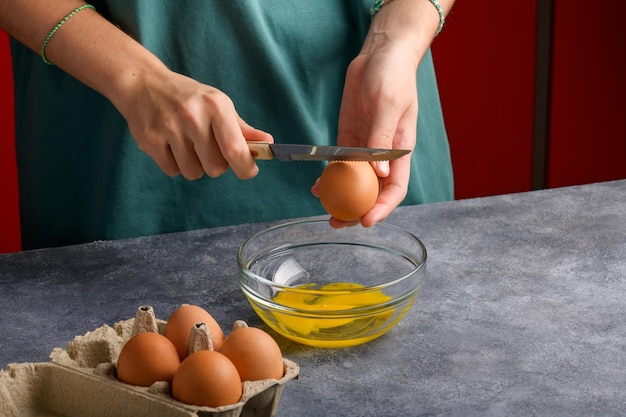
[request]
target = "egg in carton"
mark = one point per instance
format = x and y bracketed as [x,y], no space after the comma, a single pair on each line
[81,381]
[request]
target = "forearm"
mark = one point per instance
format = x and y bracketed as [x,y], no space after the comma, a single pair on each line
[411,23]
[86,46]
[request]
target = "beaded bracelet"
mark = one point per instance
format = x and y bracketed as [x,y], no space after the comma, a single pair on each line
[442,17]
[54,29]
[376,6]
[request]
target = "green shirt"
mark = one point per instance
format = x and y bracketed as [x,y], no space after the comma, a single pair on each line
[82,177]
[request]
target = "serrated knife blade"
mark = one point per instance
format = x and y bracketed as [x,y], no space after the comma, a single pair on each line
[298,152]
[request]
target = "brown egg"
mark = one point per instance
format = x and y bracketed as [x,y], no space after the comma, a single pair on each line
[182,320]
[146,358]
[255,354]
[347,189]
[207,378]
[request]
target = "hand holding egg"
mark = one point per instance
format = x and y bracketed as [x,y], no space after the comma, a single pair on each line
[379,108]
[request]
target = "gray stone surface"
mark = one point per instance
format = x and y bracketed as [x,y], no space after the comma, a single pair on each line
[523,313]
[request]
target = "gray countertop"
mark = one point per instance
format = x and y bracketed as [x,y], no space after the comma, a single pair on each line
[523,313]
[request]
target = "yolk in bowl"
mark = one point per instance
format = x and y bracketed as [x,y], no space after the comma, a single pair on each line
[342,296]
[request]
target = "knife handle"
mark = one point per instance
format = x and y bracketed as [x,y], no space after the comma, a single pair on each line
[261,150]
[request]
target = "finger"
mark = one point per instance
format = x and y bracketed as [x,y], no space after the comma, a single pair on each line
[383,134]
[254,134]
[381,168]
[393,192]
[315,188]
[233,147]
[188,162]
[210,155]
[386,203]
[338,224]
[165,160]
[383,129]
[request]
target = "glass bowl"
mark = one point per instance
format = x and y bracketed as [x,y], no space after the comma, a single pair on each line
[330,287]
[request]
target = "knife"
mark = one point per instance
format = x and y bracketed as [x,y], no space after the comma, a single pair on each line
[292,152]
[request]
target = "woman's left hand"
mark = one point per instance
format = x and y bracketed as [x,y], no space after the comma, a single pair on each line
[379,110]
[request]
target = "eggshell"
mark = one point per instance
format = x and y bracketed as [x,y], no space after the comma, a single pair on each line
[147,358]
[207,378]
[182,320]
[348,189]
[255,354]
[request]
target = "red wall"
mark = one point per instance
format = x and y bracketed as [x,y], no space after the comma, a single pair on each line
[9,215]
[588,128]
[485,62]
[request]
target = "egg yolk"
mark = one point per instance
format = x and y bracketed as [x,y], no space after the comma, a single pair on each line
[336,300]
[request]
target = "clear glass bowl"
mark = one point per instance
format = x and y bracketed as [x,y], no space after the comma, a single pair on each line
[330,287]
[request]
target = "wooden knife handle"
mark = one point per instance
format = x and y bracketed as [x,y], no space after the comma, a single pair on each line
[261,150]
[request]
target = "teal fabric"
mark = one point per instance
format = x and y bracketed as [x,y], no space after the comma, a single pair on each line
[82,177]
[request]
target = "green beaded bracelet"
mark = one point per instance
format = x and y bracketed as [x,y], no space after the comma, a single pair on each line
[54,29]
[442,17]
[376,6]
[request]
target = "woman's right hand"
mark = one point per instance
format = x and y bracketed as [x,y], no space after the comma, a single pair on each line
[189,128]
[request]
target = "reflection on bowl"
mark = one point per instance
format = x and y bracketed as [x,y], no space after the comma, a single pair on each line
[330,287]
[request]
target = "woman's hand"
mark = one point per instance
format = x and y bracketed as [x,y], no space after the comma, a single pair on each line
[189,128]
[379,110]
[379,104]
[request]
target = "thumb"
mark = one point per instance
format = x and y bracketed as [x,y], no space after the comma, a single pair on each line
[382,136]
[254,134]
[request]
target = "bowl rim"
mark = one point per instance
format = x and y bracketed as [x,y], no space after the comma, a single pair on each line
[242,268]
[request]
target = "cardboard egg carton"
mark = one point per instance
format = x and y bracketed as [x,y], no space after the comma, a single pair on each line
[80,381]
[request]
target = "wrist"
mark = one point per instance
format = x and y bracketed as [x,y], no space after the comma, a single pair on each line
[408,22]
[128,85]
